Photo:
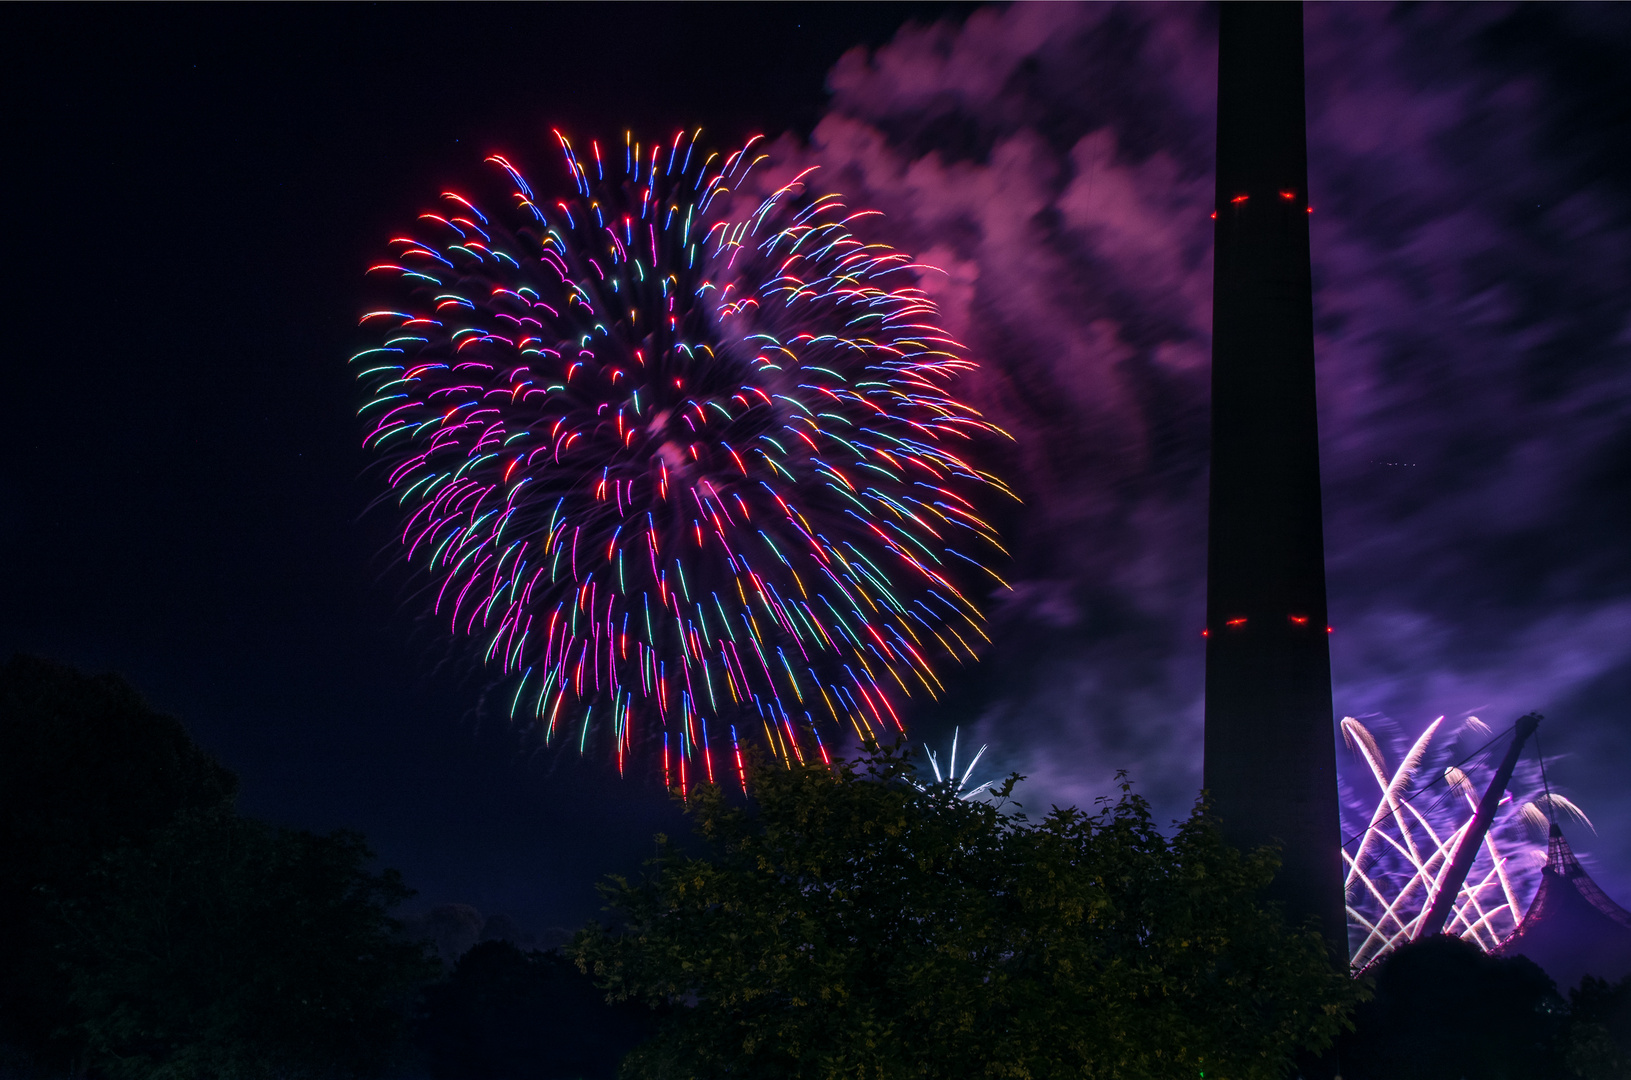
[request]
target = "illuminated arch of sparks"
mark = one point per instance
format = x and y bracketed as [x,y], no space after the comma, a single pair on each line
[1403,847]
[686,464]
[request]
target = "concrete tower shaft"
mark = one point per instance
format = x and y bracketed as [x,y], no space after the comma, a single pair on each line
[1270,755]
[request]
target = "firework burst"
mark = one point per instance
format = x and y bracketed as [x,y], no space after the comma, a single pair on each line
[958,783]
[684,462]
[1400,848]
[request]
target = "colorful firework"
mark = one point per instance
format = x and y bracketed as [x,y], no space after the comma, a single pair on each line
[685,463]
[1400,847]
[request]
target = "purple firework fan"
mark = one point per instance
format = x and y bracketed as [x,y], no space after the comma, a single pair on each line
[684,462]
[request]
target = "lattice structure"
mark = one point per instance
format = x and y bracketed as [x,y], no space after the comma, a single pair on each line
[1572,927]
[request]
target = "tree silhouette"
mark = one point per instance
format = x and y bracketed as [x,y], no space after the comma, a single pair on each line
[1445,1008]
[86,767]
[228,948]
[505,1014]
[151,932]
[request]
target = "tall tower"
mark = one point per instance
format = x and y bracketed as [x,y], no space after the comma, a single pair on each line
[1270,758]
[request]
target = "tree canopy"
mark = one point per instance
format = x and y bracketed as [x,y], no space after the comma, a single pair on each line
[86,767]
[508,1014]
[1444,1007]
[227,949]
[153,933]
[853,923]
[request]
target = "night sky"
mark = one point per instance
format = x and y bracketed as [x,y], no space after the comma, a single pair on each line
[195,192]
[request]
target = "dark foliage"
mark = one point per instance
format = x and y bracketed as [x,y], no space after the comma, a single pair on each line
[151,932]
[229,949]
[451,930]
[86,767]
[1599,1046]
[1444,1008]
[852,924]
[505,1014]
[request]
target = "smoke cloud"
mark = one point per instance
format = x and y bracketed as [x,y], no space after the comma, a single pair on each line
[1472,257]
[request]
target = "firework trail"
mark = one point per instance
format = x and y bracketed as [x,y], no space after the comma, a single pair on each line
[1398,850]
[685,463]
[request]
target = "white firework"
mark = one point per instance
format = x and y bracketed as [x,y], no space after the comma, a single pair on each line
[1406,846]
[959,782]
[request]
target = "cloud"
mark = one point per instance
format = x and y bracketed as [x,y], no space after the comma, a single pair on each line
[1046,161]
[1472,255]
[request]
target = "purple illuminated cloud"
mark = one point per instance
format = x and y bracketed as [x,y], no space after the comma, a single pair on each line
[1472,260]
